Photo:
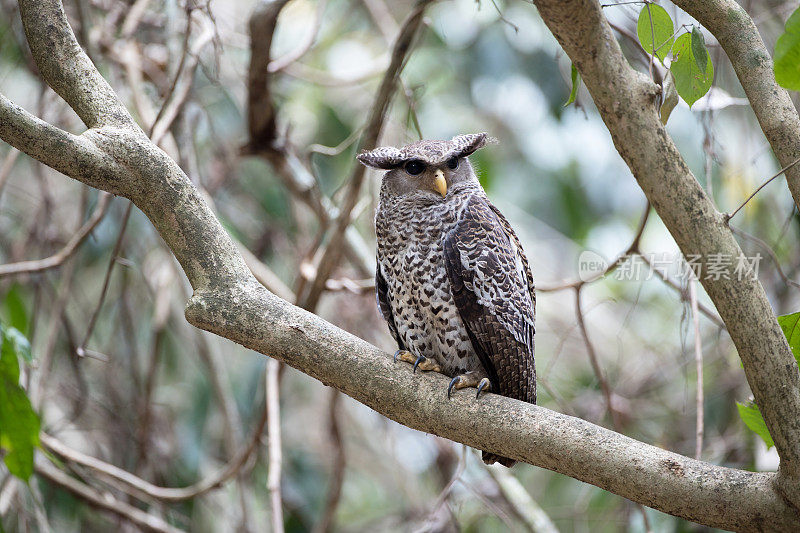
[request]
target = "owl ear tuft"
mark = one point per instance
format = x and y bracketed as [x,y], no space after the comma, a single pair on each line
[385,158]
[471,142]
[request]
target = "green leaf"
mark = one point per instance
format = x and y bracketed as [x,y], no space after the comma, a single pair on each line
[752,418]
[19,423]
[19,429]
[690,81]
[699,49]
[15,311]
[576,81]
[787,54]
[16,343]
[655,30]
[9,364]
[790,324]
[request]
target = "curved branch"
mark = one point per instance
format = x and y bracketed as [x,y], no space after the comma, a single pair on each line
[141,487]
[713,495]
[66,67]
[64,253]
[625,99]
[776,114]
[69,154]
[104,500]
[227,300]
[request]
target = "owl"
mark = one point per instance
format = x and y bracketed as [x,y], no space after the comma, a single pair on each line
[452,280]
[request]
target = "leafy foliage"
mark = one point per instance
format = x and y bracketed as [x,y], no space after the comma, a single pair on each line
[749,413]
[691,69]
[790,324]
[691,82]
[699,49]
[576,81]
[655,30]
[787,54]
[752,418]
[19,423]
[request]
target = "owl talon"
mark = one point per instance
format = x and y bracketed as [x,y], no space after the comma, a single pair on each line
[421,362]
[468,379]
[452,383]
[484,384]
[428,365]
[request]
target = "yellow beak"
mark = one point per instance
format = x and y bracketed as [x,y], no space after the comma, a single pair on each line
[440,183]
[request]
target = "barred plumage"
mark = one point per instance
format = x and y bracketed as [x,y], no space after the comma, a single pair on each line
[452,281]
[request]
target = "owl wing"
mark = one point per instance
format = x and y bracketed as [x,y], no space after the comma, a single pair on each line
[384,306]
[493,290]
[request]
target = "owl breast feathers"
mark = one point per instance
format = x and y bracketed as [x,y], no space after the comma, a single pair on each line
[452,280]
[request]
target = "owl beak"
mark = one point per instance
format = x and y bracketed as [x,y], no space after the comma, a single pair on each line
[440,183]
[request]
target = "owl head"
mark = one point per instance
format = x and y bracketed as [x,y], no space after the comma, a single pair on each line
[425,168]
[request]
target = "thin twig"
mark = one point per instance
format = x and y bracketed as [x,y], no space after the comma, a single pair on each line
[380,106]
[339,463]
[104,290]
[39,265]
[767,248]
[180,88]
[8,164]
[278,64]
[633,248]
[45,357]
[710,314]
[698,360]
[729,216]
[275,457]
[598,372]
[445,493]
[103,500]
[167,494]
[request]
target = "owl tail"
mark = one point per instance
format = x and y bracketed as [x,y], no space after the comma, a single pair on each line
[491,458]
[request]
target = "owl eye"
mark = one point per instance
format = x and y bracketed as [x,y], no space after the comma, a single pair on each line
[452,163]
[415,167]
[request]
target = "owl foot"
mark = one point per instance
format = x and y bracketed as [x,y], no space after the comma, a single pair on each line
[421,362]
[470,379]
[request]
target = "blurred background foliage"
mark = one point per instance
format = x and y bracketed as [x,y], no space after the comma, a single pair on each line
[173,405]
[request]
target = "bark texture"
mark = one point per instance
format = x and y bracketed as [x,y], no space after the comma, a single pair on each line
[115,155]
[626,101]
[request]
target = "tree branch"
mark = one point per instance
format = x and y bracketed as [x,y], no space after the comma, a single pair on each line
[625,99]
[104,500]
[64,253]
[228,301]
[776,114]
[168,494]
[69,154]
[66,67]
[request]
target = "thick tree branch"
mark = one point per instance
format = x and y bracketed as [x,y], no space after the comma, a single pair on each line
[695,490]
[227,300]
[70,154]
[776,114]
[67,69]
[625,100]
